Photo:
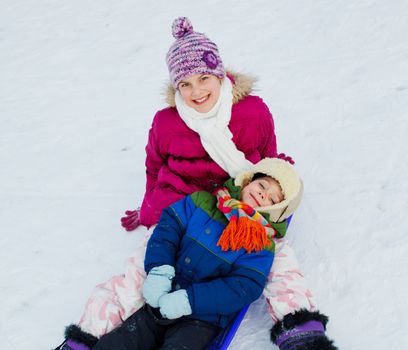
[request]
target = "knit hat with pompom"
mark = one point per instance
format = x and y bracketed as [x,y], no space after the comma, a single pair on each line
[191,53]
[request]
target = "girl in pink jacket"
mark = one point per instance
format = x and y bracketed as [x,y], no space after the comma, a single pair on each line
[212,130]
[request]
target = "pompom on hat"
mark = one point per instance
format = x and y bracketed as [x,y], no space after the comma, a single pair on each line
[283,172]
[192,53]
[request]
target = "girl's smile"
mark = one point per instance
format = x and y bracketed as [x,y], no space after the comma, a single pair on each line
[255,200]
[202,100]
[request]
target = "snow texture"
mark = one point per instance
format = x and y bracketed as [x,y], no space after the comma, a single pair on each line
[80,81]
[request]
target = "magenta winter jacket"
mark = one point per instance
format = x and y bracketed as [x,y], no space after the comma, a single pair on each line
[176,162]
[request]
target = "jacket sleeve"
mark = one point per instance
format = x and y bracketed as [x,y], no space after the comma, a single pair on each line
[269,147]
[228,294]
[164,242]
[286,290]
[155,198]
[154,159]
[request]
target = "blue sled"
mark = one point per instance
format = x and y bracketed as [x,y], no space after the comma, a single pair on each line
[224,339]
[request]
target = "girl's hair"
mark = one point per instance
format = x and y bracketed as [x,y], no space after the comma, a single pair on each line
[259,175]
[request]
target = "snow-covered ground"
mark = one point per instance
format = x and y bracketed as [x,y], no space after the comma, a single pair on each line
[80,81]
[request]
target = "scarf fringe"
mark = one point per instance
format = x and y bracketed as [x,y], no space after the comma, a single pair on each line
[244,233]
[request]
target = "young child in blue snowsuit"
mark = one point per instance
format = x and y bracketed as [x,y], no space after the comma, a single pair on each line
[209,257]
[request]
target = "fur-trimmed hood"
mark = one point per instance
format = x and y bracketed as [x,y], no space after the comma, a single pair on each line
[242,87]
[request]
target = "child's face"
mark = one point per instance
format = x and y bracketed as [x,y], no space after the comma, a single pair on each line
[200,91]
[262,192]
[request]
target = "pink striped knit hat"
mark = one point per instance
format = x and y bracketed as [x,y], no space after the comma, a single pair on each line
[191,53]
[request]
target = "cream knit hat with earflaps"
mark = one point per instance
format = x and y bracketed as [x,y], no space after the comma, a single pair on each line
[283,172]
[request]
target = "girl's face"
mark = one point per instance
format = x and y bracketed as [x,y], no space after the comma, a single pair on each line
[262,192]
[200,91]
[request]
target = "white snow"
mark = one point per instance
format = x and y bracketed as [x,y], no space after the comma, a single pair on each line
[80,81]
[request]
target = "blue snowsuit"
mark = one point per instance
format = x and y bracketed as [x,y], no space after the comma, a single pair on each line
[218,283]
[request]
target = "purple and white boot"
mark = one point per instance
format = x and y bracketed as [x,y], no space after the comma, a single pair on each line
[303,330]
[77,339]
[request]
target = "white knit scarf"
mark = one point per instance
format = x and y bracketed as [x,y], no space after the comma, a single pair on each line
[215,135]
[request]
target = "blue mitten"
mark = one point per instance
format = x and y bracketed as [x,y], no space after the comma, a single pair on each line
[175,305]
[158,283]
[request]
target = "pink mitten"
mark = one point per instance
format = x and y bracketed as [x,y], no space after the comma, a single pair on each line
[285,157]
[131,220]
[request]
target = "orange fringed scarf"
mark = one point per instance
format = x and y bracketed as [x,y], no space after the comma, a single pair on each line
[247,228]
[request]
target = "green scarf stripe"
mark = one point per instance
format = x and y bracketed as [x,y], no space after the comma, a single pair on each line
[235,191]
[280,227]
